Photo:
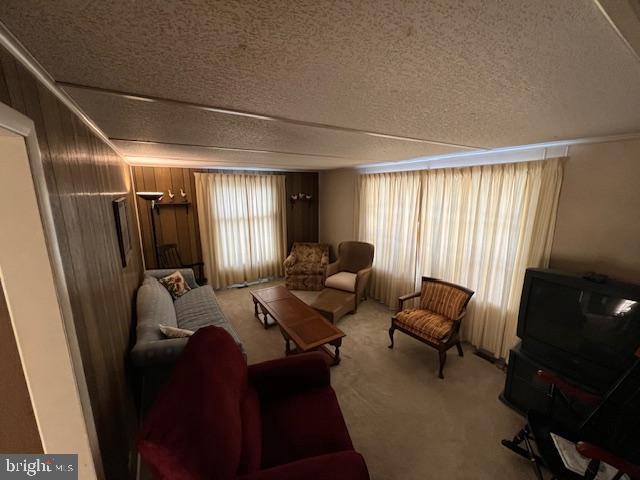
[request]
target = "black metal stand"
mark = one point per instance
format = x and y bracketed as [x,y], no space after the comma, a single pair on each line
[153,233]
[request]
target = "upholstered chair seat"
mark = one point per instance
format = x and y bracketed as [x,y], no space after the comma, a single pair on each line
[436,321]
[342,281]
[425,323]
[306,265]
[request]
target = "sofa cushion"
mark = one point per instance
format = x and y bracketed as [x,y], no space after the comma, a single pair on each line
[424,323]
[175,332]
[342,281]
[290,433]
[199,308]
[154,306]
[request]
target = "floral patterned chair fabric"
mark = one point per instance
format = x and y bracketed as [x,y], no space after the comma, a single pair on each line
[306,265]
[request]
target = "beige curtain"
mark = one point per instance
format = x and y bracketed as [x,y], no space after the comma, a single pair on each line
[481,227]
[388,207]
[242,226]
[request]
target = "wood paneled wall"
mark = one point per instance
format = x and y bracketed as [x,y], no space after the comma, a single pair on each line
[179,224]
[302,217]
[83,177]
[174,224]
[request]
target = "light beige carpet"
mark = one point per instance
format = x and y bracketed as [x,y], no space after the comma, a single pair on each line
[407,423]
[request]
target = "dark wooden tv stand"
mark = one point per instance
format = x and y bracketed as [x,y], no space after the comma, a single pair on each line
[523,391]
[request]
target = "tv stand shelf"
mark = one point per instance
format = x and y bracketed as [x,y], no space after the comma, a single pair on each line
[523,391]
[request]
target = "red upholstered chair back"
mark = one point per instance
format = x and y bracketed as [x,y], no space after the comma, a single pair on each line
[194,430]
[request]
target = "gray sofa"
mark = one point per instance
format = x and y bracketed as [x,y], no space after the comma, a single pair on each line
[154,306]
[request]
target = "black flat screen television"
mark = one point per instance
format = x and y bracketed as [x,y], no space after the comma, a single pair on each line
[584,330]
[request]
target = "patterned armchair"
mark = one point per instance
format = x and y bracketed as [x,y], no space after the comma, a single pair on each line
[306,266]
[437,320]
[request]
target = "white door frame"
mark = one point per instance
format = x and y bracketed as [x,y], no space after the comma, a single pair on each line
[47,341]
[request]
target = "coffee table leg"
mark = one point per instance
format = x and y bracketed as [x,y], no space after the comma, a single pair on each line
[336,354]
[255,308]
[265,317]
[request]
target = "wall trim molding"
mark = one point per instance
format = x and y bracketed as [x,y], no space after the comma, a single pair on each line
[522,153]
[22,55]
[177,162]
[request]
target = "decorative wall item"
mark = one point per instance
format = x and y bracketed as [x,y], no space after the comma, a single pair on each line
[120,207]
[300,197]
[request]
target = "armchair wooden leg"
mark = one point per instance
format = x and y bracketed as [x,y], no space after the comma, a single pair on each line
[391,330]
[460,352]
[443,360]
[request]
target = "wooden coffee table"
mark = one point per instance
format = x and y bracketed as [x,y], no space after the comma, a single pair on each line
[298,322]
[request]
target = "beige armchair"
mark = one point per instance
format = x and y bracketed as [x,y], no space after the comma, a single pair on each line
[306,265]
[352,270]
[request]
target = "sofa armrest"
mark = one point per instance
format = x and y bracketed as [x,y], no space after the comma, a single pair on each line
[157,352]
[187,273]
[346,465]
[287,375]
[333,268]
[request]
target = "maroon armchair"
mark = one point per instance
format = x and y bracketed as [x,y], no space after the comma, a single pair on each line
[218,419]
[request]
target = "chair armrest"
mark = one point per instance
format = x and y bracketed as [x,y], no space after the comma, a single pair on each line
[290,261]
[346,465]
[333,268]
[157,352]
[362,280]
[404,298]
[287,375]
[567,388]
[594,452]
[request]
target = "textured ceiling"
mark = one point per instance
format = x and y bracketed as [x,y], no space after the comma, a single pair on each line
[481,73]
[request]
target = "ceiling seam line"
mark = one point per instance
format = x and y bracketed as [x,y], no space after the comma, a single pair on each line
[217,147]
[259,116]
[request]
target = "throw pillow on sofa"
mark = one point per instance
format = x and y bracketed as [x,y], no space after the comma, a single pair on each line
[175,332]
[175,284]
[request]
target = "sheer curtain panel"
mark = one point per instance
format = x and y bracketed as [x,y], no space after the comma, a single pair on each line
[388,208]
[479,227]
[242,226]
